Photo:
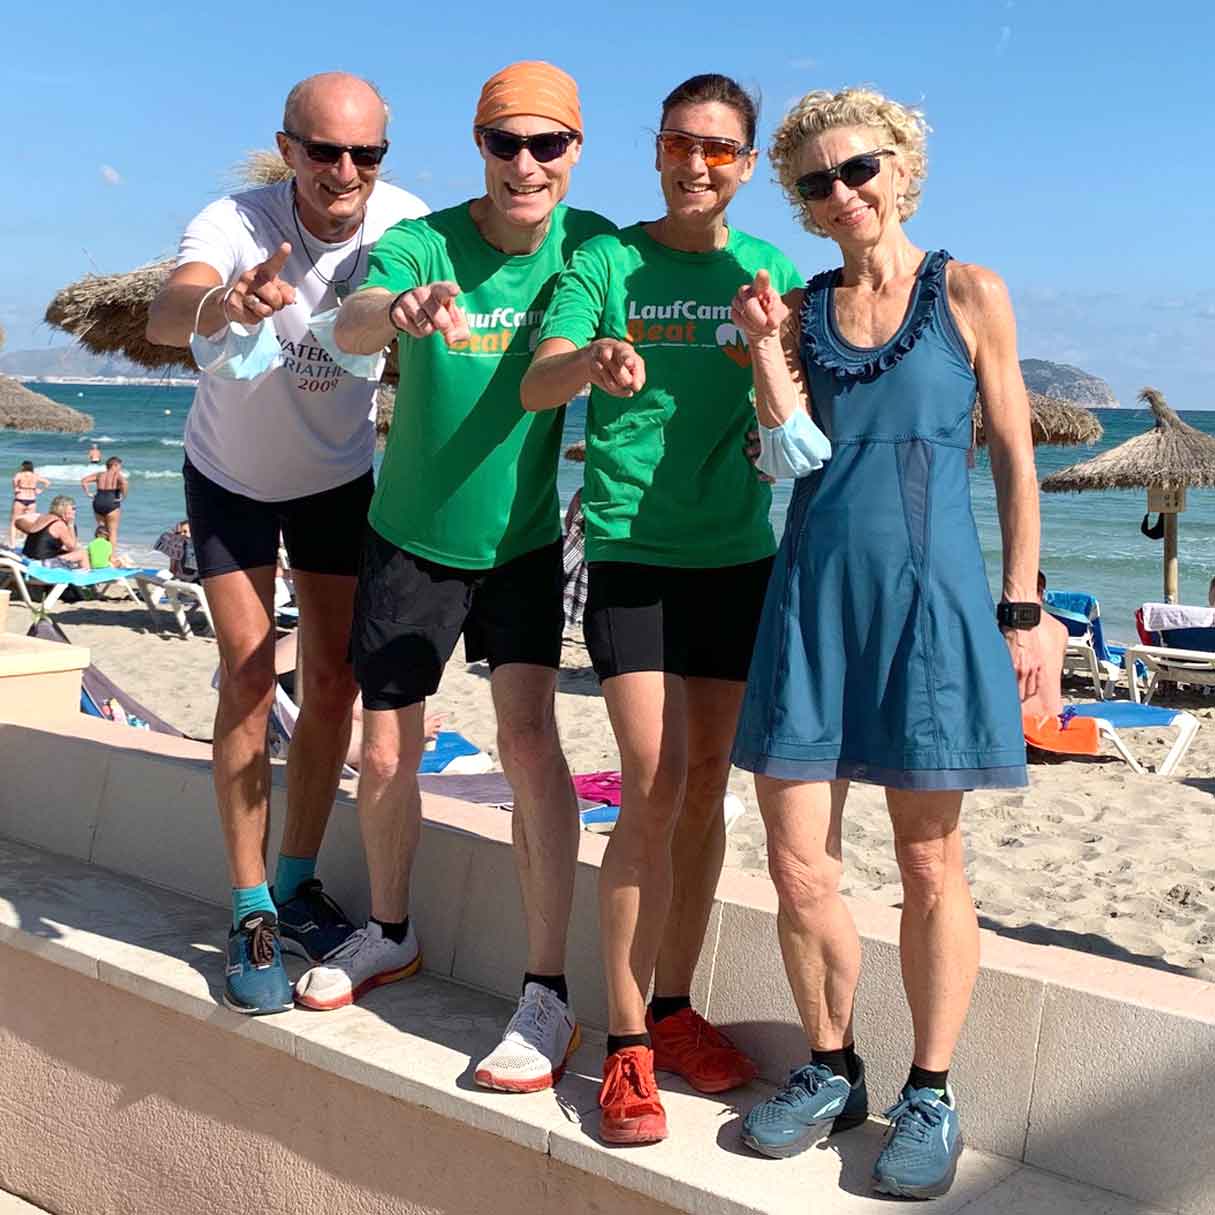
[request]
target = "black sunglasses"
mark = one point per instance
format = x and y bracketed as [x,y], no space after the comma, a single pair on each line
[816,186]
[363,155]
[548,145]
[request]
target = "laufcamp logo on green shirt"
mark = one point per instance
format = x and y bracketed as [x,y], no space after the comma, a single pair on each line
[687,323]
[502,331]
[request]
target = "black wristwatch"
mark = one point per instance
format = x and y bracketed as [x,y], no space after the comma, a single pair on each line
[1018,615]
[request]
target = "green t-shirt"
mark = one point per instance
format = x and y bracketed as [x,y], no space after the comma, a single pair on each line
[667,479]
[469,478]
[99,551]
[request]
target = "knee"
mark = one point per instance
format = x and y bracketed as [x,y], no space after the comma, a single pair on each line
[804,885]
[706,787]
[924,869]
[329,690]
[527,742]
[247,687]
[382,760]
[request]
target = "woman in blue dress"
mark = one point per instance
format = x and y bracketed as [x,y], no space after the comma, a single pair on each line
[881,656]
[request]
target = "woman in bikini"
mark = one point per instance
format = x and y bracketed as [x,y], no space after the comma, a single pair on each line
[110,488]
[27,485]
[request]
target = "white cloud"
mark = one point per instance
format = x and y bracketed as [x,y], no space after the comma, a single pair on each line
[111,175]
[1004,39]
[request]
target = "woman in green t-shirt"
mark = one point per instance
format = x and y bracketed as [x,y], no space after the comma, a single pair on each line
[679,547]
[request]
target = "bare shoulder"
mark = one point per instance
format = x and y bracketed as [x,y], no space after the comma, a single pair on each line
[978,291]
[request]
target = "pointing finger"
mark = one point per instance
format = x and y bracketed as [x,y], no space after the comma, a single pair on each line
[272,267]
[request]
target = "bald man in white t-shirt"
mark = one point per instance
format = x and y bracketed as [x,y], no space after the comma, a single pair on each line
[280,438]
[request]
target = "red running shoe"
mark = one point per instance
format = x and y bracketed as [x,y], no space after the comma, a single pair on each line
[686,1044]
[628,1098]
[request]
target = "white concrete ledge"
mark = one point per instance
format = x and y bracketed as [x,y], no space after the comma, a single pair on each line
[1092,1068]
[135,947]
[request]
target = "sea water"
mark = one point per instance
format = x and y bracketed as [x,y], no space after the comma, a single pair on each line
[1090,541]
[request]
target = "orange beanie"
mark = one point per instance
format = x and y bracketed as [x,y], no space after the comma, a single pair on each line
[530,87]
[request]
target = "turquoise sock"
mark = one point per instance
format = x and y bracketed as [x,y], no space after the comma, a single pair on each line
[250,898]
[290,872]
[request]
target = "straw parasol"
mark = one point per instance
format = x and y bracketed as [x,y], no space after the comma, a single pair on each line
[1053,422]
[21,409]
[108,314]
[1165,461]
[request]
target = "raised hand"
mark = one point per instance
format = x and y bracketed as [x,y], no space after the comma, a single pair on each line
[428,310]
[616,367]
[757,308]
[259,292]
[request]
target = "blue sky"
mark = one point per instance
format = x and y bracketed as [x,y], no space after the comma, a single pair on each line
[1071,147]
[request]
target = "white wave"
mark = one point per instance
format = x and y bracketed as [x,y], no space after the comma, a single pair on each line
[97,439]
[173,442]
[66,472]
[157,476]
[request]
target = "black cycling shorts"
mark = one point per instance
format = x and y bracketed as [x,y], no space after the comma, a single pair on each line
[698,623]
[322,532]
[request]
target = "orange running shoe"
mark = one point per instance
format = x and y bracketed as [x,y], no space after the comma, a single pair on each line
[628,1098]
[686,1044]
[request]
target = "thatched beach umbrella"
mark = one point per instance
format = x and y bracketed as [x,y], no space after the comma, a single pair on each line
[1053,422]
[21,409]
[1165,461]
[108,314]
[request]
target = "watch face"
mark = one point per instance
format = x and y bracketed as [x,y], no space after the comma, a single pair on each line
[1019,615]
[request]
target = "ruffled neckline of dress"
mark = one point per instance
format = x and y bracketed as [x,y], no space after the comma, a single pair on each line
[823,345]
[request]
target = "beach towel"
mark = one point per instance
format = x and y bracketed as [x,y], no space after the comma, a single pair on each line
[1064,735]
[603,787]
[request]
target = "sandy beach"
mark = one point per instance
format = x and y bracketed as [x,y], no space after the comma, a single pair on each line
[1090,856]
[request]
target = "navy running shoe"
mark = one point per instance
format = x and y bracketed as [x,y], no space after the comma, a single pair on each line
[311,924]
[256,982]
[813,1104]
[920,1158]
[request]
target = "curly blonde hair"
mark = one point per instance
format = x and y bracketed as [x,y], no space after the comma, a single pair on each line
[857,107]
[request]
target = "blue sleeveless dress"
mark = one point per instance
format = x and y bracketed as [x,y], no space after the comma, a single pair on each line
[878,656]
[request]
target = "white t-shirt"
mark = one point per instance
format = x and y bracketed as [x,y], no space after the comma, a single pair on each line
[308,425]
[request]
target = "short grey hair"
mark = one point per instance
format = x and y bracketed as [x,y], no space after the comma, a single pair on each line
[295,98]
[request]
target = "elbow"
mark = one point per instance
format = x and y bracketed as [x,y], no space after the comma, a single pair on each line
[156,330]
[528,396]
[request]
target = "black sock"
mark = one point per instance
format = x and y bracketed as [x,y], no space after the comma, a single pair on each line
[620,1041]
[394,932]
[836,1060]
[555,983]
[922,1078]
[854,1064]
[662,1007]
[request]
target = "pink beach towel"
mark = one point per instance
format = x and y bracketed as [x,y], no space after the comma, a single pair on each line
[599,787]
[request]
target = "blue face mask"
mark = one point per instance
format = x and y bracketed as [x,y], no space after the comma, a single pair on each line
[363,366]
[794,449]
[242,355]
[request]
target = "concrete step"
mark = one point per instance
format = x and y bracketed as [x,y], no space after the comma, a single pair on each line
[413,1043]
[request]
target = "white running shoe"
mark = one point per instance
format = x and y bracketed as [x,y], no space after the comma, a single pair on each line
[537,1043]
[367,959]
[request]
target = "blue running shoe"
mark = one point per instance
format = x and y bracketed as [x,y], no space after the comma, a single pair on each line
[920,1158]
[256,982]
[311,924]
[813,1104]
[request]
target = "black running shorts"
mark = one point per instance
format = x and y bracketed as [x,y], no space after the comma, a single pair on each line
[409,612]
[322,532]
[698,623]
